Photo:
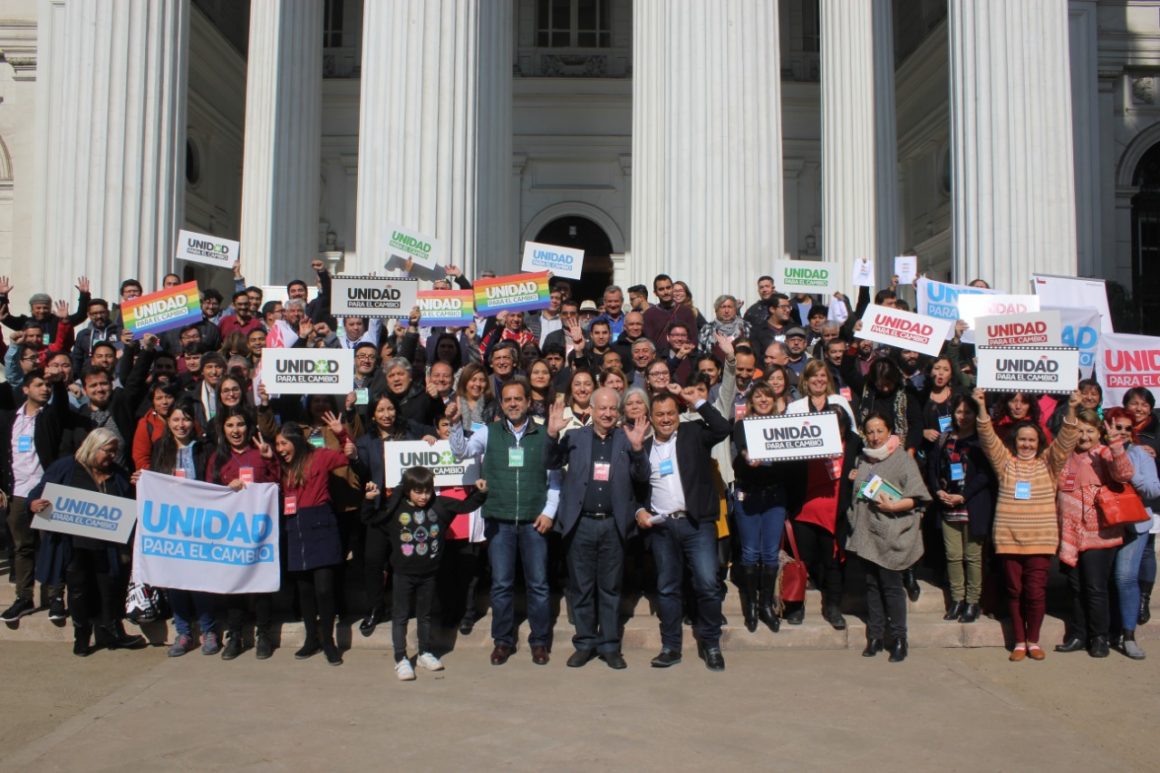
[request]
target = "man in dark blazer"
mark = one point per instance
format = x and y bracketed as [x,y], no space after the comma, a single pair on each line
[596,512]
[681,521]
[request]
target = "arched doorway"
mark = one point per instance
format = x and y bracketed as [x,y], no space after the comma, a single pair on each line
[581,233]
[1146,241]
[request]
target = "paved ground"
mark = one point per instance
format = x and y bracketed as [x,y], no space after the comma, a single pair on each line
[955,709]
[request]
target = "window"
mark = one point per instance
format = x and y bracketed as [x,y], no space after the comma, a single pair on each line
[811,23]
[332,24]
[573,24]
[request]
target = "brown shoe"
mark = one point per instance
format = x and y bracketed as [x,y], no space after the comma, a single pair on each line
[500,654]
[1017,654]
[1035,652]
[540,655]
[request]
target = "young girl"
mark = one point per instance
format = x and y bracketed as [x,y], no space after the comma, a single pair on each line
[415,521]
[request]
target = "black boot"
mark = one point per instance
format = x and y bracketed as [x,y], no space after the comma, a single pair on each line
[113,637]
[81,636]
[263,647]
[910,582]
[746,577]
[234,645]
[311,646]
[1145,607]
[765,611]
[832,614]
[329,649]
[873,647]
[956,610]
[898,650]
[970,614]
[1099,647]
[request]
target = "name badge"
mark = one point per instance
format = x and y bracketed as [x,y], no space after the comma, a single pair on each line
[667,467]
[179,473]
[957,471]
[47,339]
[944,423]
[515,457]
[834,467]
[476,426]
[739,411]
[317,441]
[24,444]
[1023,489]
[246,474]
[362,396]
[1067,482]
[290,504]
[600,470]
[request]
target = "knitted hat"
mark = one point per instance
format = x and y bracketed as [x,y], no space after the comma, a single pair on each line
[40,298]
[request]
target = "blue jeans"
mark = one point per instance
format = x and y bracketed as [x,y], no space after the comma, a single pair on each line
[1127,574]
[1148,565]
[510,542]
[676,543]
[188,604]
[760,521]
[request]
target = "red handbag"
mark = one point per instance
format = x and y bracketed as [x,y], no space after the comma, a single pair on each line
[792,575]
[1119,505]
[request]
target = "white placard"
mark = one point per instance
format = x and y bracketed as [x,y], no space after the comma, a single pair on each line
[308,371]
[904,329]
[1074,293]
[811,277]
[421,249]
[1081,329]
[973,306]
[207,250]
[373,296]
[941,299]
[906,269]
[86,514]
[862,274]
[561,261]
[1027,369]
[793,436]
[399,455]
[1126,361]
[1037,328]
[194,535]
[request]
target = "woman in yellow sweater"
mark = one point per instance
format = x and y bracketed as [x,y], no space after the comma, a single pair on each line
[1026,530]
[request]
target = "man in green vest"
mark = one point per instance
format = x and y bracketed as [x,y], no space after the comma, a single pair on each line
[519,512]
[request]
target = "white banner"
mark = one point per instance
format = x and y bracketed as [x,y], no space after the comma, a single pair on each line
[906,269]
[862,274]
[941,299]
[373,296]
[971,307]
[421,249]
[811,277]
[86,514]
[904,329]
[793,436]
[1027,369]
[198,536]
[208,250]
[1037,328]
[308,371]
[1081,329]
[399,455]
[1074,293]
[561,261]
[1126,361]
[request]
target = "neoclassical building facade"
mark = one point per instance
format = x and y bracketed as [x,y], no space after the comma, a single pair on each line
[702,137]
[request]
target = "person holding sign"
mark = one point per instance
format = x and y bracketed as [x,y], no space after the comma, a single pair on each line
[1026,531]
[95,594]
[885,530]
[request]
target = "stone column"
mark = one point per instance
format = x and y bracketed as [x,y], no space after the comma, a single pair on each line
[1013,189]
[887,202]
[706,144]
[435,128]
[111,118]
[281,169]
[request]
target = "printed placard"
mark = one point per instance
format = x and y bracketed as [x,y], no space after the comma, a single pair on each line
[86,514]
[1074,293]
[906,269]
[862,274]
[207,250]
[1027,368]
[1037,328]
[421,249]
[449,308]
[308,371]
[198,536]
[941,299]
[1126,361]
[971,307]
[515,292]
[168,309]
[793,436]
[560,261]
[373,296]
[805,276]
[904,329]
[1081,329]
[399,455]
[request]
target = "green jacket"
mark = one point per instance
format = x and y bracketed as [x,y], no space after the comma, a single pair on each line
[515,494]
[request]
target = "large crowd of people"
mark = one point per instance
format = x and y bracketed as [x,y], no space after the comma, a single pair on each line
[612,457]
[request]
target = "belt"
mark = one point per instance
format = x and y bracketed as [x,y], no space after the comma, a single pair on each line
[677,514]
[594,515]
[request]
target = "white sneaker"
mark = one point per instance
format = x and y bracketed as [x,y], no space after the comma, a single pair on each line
[404,671]
[430,662]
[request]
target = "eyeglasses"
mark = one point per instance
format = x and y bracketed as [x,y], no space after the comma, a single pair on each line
[1119,428]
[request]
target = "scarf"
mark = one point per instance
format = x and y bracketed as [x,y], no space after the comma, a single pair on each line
[881,452]
[728,329]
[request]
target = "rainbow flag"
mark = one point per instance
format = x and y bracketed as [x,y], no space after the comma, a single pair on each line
[447,308]
[167,309]
[515,292]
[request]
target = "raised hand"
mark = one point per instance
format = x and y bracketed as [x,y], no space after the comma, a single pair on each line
[451,411]
[333,423]
[556,420]
[635,433]
[980,398]
[453,271]
[263,394]
[317,266]
[83,284]
[689,395]
[725,344]
[415,317]
[61,308]
[351,400]
[306,328]
[263,447]
[5,285]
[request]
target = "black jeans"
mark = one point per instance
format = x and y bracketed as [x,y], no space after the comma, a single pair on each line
[239,604]
[459,575]
[595,555]
[1088,583]
[412,593]
[92,591]
[24,546]
[376,552]
[316,598]
[886,602]
[816,548]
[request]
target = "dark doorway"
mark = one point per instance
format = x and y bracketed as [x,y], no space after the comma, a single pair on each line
[581,233]
[1146,242]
